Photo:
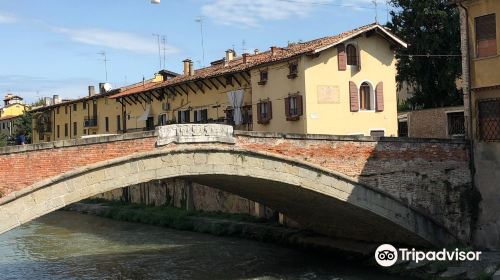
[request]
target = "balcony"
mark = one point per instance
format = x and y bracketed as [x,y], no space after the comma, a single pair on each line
[90,122]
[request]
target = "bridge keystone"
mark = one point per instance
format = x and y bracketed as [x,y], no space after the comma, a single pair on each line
[194,133]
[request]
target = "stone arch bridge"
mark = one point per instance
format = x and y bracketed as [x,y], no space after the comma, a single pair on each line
[379,190]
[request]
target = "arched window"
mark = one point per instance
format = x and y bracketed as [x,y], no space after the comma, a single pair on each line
[366,98]
[352,55]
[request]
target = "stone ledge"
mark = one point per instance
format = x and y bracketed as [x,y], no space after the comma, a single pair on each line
[76,142]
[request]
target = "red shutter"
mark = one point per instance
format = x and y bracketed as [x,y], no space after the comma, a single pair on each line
[300,109]
[269,110]
[379,97]
[353,96]
[287,107]
[341,56]
[359,57]
[259,113]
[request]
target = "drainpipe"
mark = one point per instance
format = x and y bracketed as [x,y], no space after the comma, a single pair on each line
[466,78]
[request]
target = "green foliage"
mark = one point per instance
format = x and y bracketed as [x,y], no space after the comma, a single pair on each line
[4,140]
[430,27]
[39,102]
[24,125]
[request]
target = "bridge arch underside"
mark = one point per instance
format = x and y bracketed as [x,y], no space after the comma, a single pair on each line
[325,202]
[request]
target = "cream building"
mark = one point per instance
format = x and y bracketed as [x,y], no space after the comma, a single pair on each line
[480,26]
[342,84]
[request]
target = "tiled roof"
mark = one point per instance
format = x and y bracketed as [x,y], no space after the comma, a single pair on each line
[255,60]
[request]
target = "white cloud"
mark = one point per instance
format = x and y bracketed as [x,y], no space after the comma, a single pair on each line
[113,39]
[248,13]
[7,18]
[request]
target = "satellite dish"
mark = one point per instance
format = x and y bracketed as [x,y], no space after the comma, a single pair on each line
[107,87]
[155,1]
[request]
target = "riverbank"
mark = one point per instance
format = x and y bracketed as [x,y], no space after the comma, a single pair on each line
[250,227]
[223,224]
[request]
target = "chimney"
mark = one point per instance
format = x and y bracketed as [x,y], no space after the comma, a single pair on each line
[56,99]
[229,55]
[187,66]
[245,58]
[101,88]
[274,50]
[91,90]
[256,51]
[191,68]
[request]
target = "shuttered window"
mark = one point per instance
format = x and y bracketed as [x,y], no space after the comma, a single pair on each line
[486,35]
[352,55]
[264,112]
[341,56]
[365,97]
[293,107]
[379,97]
[353,97]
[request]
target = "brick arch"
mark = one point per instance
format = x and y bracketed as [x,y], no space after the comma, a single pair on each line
[322,200]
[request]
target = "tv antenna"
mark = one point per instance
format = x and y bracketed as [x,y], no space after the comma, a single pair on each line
[243,46]
[105,60]
[159,51]
[200,21]
[164,47]
[375,4]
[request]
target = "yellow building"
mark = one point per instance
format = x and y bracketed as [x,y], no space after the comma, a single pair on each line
[313,87]
[343,84]
[480,26]
[13,106]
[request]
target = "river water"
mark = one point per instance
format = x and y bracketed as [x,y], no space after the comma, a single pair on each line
[67,245]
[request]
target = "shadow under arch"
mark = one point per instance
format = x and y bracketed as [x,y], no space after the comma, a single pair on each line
[324,201]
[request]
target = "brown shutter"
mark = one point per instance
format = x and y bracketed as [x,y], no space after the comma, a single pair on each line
[341,56]
[269,110]
[259,113]
[287,107]
[358,49]
[300,109]
[353,96]
[379,97]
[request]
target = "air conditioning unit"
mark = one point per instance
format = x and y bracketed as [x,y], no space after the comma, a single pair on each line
[166,106]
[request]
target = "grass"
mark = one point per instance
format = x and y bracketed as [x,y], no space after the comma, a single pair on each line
[166,216]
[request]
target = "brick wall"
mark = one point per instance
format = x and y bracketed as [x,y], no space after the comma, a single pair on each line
[431,175]
[429,123]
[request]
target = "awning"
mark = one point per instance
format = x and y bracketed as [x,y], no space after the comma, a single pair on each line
[144,117]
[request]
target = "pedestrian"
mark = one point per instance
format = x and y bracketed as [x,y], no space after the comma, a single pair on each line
[21,139]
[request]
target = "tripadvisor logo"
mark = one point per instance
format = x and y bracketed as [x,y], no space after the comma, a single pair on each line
[387,255]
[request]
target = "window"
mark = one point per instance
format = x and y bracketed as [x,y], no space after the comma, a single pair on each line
[58,134]
[263,77]
[456,124]
[201,116]
[118,123]
[106,124]
[366,97]
[66,109]
[163,119]
[75,129]
[66,130]
[293,107]
[183,116]
[246,112]
[486,36]
[264,112]
[57,110]
[293,70]
[489,120]
[377,133]
[74,107]
[84,105]
[352,55]
[403,128]
[229,80]
[150,123]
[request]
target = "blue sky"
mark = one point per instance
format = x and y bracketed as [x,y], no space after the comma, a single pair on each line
[52,46]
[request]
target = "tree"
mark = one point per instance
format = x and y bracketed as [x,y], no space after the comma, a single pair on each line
[431,28]
[23,124]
